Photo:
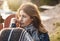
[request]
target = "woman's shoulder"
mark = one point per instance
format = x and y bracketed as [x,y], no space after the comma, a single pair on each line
[44,36]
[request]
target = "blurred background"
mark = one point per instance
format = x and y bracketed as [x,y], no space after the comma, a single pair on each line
[49,12]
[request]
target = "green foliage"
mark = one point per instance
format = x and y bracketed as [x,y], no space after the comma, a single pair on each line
[56,24]
[49,2]
[45,2]
[14,4]
[56,35]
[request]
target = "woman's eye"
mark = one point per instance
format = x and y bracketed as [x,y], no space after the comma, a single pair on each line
[24,16]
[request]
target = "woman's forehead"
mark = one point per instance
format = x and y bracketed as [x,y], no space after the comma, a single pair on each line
[23,13]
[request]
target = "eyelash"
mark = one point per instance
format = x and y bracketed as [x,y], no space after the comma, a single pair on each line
[22,15]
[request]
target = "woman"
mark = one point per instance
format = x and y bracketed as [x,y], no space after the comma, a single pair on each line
[29,19]
[14,34]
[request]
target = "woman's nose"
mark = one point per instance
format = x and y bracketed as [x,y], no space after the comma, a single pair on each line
[20,19]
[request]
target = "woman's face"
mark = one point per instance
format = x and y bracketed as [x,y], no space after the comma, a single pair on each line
[24,19]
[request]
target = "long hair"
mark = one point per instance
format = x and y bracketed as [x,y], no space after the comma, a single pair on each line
[32,10]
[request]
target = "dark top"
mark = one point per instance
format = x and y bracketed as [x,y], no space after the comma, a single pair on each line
[35,34]
[15,35]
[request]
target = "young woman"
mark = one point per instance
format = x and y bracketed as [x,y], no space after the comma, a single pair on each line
[29,19]
[14,34]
